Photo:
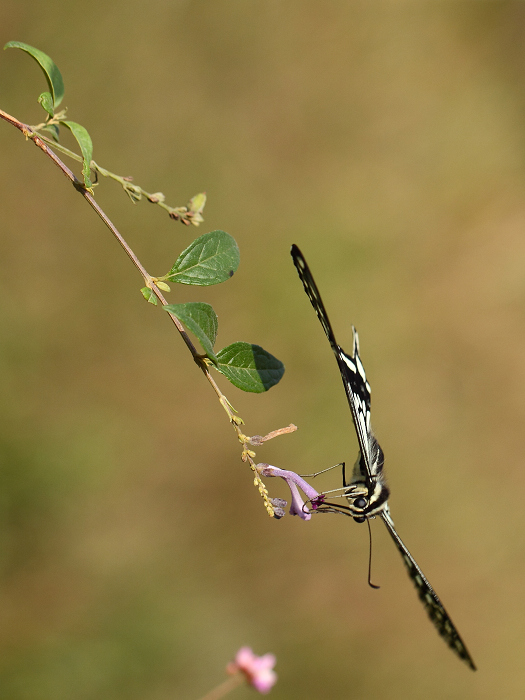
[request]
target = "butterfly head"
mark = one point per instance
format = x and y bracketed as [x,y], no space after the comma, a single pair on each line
[367,493]
[360,504]
[363,506]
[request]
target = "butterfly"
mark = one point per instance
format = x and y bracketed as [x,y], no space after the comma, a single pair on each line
[367,492]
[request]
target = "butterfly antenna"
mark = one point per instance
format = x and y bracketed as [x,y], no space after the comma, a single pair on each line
[370,557]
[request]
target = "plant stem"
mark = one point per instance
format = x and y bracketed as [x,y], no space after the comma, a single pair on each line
[224,688]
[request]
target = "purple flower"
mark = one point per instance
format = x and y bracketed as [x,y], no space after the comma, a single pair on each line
[293,480]
[257,669]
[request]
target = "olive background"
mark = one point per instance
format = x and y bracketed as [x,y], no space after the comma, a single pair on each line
[386,139]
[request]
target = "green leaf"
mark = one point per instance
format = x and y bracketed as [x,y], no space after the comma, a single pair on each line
[249,367]
[86,146]
[133,192]
[53,130]
[201,320]
[148,295]
[195,208]
[53,76]
[211,258]
[46,101]
[197,203]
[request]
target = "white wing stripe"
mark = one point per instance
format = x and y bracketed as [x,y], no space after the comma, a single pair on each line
[348,362]
[360,368]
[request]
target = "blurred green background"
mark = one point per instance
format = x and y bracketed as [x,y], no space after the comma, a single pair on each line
[386,139]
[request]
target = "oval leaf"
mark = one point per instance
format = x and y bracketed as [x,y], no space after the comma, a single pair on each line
[211,259]
[46,101]
[201,320]
[53,130]
[249,367]
[148,295]
[53,75]
[162,285]
[86,146]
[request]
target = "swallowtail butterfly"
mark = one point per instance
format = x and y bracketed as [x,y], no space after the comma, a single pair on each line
[367,493]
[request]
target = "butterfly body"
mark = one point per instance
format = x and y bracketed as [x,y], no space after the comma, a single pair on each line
[367,497]
[367,492]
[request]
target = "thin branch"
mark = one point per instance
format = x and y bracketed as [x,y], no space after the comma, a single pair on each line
[186,214]
[201,361]
[78,185]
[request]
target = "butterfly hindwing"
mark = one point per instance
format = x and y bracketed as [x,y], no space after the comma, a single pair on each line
[357,391]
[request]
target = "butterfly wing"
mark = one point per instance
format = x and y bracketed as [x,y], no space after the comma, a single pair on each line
[429,598]
[350,366]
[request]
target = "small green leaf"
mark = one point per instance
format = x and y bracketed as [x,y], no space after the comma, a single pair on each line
[133,192]
[196,203]
[162,285]
[201,320]
[53,76]
[86,146]
[211,258]
[148,295]
[195,208]
[156,197]
[249,367]
[46,101]
[53,130]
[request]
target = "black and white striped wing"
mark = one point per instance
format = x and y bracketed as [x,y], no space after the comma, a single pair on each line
[429,598]
[350,366]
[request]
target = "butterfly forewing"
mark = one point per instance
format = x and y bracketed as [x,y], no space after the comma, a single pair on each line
[351,368]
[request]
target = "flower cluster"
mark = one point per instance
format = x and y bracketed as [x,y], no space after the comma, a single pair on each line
[257,669]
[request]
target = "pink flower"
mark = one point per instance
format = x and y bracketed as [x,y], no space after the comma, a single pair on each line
[297,506]
[257,669]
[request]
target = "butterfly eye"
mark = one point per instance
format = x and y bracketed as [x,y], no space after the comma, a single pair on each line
[360,503]
[360,520]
